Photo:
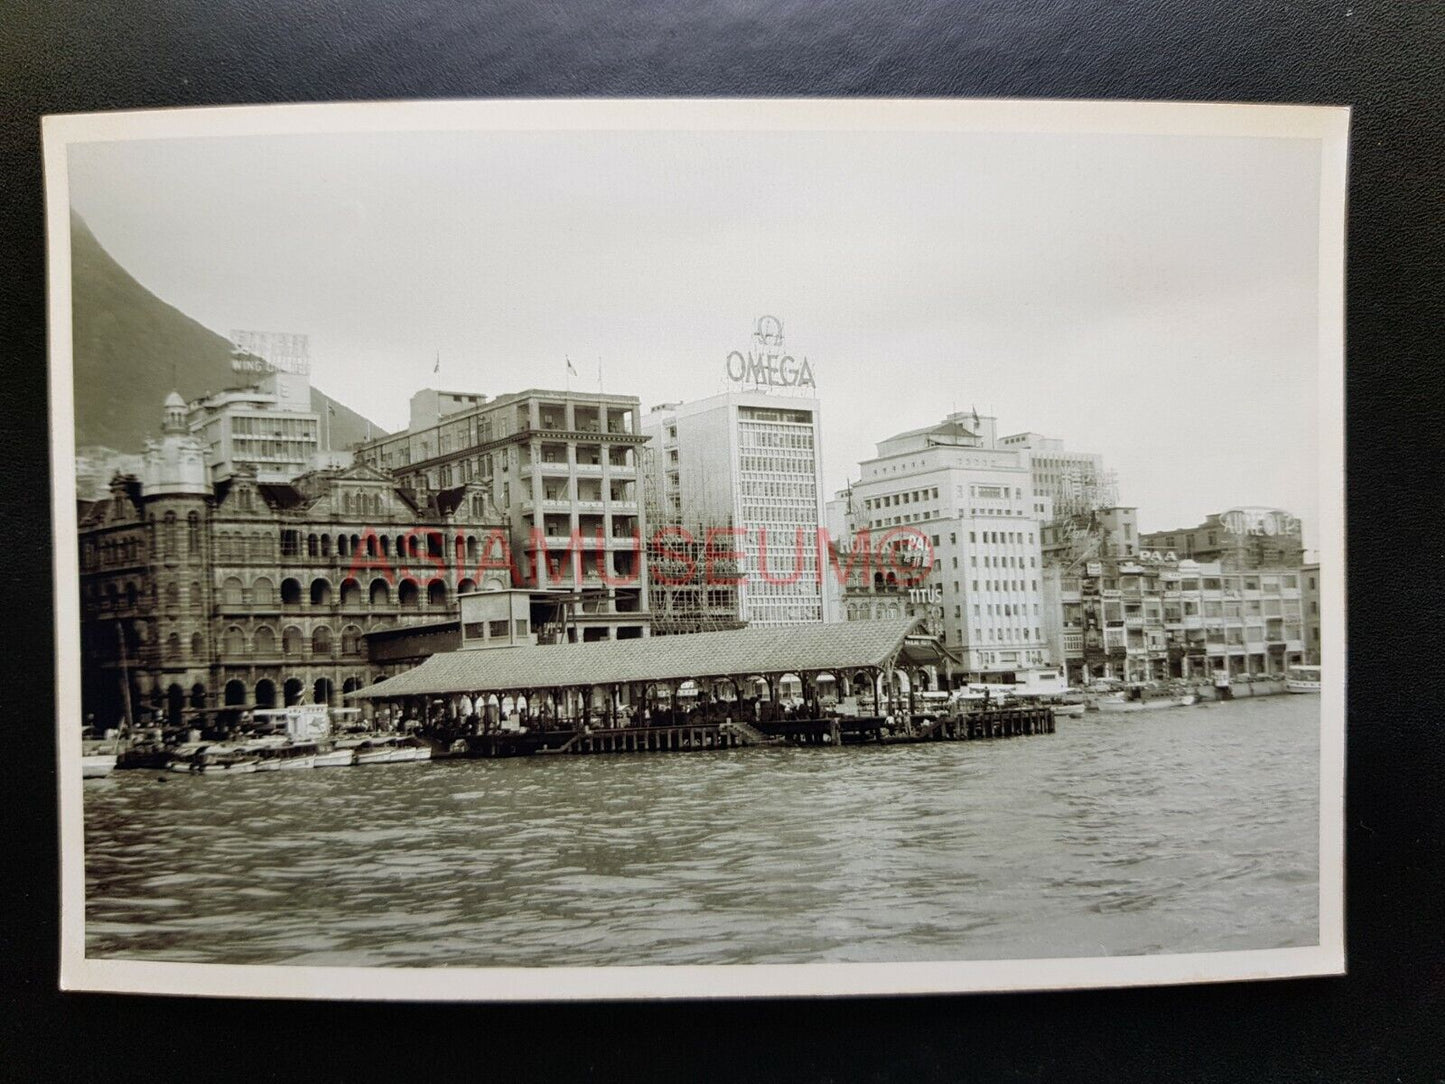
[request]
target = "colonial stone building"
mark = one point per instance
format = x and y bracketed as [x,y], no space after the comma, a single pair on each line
[244,593]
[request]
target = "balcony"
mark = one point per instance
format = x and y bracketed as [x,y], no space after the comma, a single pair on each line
[554,466]
[589,470]
[590,506]
[624,507]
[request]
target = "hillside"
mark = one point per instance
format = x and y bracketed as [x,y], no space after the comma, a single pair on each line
[131,349]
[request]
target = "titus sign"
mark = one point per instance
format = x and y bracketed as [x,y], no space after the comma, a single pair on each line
[766,364]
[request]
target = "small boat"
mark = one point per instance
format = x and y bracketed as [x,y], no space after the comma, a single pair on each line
[341,757]
[1140,703]
[96,763]
[410,748]
[377,751]
[294,756]
[1073,710]
[217,760]
[1302,679]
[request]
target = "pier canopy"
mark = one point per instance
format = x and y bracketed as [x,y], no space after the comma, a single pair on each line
[773,649]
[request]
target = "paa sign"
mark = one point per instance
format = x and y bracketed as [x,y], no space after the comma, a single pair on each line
[767,364]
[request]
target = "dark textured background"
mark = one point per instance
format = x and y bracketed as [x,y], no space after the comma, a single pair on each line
[1382,1022]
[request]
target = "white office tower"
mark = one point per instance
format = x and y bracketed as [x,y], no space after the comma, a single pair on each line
[973,504]
[750,463]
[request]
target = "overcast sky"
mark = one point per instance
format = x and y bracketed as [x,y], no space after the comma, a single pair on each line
[1149,298]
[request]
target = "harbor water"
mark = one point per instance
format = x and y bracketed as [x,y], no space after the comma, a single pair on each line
[1180,830]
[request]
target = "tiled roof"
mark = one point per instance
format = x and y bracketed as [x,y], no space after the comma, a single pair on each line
[952,430]
[775,649]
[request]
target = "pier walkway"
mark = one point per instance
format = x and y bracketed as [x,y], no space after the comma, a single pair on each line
[633,696]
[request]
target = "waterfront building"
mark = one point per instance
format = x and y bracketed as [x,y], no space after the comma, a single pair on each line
[561,467]
[743,469]
[198,594]
[1241,538]
[965,505]
[1310,599]
[1150,616]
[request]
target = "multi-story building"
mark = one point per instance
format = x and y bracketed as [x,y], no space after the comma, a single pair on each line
[1240,538]
[1310,600]
[969,510]
[268,427]
[201,595]
[739,474]
[562,469]
[1075,483]
[1149,617]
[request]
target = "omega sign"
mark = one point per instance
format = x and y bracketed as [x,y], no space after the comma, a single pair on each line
[767,364]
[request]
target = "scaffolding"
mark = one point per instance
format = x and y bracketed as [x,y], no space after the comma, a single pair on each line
[1083,489]
[687,591]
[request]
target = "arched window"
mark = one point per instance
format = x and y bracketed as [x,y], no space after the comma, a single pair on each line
[168,538]
[290,592]
[436,593]
[173,647]
[350,593]
[351,640]
[130,596]
[233,592]
[193,539]
[265,641]
[408,595]
[380,593]
[198,646]
[291,640]
[320,592]
[173,596]
[326,545]
[313,546]
[321,641]
[234,642]
[263,592]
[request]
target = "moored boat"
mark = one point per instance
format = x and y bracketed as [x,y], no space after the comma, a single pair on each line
[376,751]
[410,748]
[1302,679]
[1155,703]
[217,760]
[340,757]
[97,765]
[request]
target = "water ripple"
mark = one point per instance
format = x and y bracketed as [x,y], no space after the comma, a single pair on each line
[1189,831]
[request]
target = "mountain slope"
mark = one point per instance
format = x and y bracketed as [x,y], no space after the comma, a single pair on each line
[132,349]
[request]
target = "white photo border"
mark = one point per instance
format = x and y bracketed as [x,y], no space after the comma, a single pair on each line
[1328,125]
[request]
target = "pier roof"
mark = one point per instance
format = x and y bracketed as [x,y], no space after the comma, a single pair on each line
[771,649]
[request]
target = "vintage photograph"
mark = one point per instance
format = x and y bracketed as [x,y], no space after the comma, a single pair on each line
[567,549]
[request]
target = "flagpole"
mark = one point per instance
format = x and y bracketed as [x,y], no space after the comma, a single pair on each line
[599,374]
